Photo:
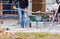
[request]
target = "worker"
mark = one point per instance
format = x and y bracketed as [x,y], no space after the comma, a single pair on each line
[22,12]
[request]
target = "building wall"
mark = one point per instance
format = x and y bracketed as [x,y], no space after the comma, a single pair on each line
[49,3]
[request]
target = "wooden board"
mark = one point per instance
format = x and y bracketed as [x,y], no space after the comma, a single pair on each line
[1,7]
[37,6]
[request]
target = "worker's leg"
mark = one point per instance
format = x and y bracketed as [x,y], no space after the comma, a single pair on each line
[20,15]
[25,19]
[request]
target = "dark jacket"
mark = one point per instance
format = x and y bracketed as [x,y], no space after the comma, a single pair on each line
[22,3]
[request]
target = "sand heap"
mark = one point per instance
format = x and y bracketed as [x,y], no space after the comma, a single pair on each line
[5,35]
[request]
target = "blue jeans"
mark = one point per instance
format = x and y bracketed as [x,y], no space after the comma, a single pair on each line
[23,18]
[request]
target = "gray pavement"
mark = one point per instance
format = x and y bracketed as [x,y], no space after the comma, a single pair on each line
[13,26]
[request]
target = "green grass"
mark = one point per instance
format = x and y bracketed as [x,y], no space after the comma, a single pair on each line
[32,36]
[37,36]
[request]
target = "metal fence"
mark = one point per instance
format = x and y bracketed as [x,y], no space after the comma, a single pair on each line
[7,8]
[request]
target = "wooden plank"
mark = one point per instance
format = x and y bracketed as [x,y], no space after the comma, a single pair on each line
[1,7]
[11,14]
[37,6]
[43,8]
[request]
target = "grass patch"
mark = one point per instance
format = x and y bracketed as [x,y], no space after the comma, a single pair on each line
[29,36]
[37,36]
